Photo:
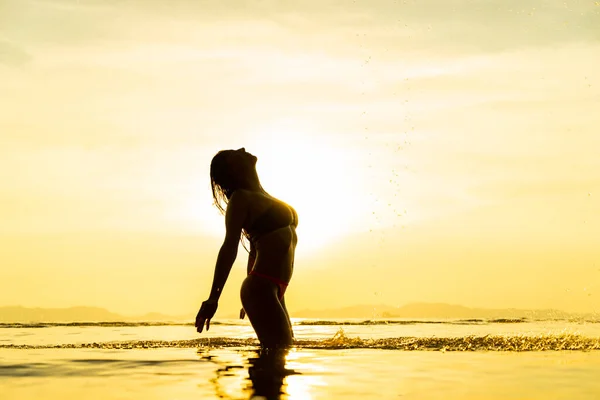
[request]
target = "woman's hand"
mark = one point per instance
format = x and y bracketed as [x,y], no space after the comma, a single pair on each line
[207,311]
[242,313]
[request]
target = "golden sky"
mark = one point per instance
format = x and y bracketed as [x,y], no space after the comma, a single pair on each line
[442,151]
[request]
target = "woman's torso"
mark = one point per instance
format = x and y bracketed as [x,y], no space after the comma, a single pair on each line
[271,227]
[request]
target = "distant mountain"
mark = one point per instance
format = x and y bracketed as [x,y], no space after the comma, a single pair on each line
[72,314]
[432,310]
[413,310]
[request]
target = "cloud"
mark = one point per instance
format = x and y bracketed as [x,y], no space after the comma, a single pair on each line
[12,55]
[383,27]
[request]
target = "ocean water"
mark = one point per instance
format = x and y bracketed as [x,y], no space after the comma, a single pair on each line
[350,359]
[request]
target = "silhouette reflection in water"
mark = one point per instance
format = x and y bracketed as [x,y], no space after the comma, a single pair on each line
[265,379]
[267,373]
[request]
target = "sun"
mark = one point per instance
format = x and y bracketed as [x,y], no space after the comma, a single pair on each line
[323,181]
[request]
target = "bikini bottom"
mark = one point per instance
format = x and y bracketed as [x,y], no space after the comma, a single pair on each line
[282,285]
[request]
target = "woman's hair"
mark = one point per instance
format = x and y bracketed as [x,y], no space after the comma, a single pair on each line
[222,181]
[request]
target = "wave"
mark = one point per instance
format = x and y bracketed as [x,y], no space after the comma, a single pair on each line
[341,341]
[317,322]
[101,324]
[474,321]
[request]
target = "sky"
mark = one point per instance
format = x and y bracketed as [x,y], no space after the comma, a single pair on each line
[436,151]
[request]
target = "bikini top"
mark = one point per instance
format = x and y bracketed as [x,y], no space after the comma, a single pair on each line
[277,216]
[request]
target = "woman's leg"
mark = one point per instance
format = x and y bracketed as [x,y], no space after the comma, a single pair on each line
[287,314]
[265,312]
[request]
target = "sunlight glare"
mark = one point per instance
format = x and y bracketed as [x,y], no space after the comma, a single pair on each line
[320,179]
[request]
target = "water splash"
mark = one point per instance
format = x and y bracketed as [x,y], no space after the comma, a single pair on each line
[516,343]
[465,343]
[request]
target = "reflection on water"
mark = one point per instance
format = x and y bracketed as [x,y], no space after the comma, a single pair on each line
[258,374]
[547,359]
[267,371]
[244,373]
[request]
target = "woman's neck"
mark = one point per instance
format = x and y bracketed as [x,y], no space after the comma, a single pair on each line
[252,183]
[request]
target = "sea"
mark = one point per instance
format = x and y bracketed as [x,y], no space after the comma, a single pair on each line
[332,359]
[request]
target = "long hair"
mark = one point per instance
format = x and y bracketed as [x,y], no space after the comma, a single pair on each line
[223,183]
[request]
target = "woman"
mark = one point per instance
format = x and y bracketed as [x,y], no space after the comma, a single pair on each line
[270,227]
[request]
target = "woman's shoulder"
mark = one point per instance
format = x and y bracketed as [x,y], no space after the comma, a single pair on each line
[240,197]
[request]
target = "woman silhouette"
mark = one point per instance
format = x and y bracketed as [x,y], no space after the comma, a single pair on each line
[270,226]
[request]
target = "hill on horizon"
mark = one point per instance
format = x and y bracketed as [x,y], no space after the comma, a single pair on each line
[434,310]
[76,314]
[413,310]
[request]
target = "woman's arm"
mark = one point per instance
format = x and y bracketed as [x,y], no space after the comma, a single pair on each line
[234,219]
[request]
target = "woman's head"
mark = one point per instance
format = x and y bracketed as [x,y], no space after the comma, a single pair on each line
[231,170]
